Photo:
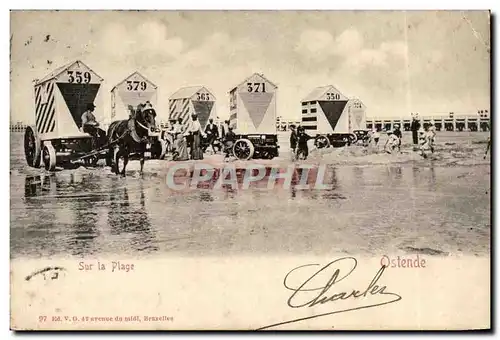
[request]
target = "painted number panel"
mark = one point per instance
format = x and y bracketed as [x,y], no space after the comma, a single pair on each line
[256,87]
[200,96]
[78,74]
[332,96]
[136,85]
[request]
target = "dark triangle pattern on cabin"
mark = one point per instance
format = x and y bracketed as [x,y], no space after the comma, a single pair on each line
[77,96]
[203,109]
[256,105]
[333,110]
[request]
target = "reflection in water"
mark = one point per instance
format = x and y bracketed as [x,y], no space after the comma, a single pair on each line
[126,216]
[358,175]
[206,196]
[95,213]
[432,179]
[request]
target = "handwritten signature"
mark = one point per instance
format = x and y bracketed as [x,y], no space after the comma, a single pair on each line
[322,294]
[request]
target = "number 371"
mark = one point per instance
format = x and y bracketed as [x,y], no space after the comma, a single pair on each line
[256,87]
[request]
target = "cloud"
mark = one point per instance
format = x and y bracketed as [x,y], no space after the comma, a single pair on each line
[349,45]
[314,42]
[149,39]
[397,48]
[218,49]
[348,42]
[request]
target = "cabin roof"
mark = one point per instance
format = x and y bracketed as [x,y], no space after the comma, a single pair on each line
[318,92]
[188,92]
[60,70]
[255,73]
[130,76]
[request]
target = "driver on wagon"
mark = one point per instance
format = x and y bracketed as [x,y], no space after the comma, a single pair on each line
[91,126]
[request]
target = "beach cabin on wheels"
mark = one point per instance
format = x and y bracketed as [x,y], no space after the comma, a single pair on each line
[189,100]
[133,90]
[252,106]
[60,99]
[333,118]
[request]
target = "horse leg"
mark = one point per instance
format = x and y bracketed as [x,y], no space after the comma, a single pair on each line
[117,154]
[125,161]
[143,151]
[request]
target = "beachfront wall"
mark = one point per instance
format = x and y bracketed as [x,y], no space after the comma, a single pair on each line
[450,122]
[193,99]
[327,110]
[252,106]
[133,90]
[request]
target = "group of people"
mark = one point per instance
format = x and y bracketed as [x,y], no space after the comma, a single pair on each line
[423,137]
[189,141]
[298,142]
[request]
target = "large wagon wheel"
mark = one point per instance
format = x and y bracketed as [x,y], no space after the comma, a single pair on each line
[243,149]
[158,149]
[118,160]
[49,157]
[352,139]
[32,147]
[321,142]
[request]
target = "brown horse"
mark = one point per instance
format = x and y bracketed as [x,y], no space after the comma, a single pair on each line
[127,137]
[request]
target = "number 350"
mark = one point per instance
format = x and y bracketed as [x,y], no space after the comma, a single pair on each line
[79,77]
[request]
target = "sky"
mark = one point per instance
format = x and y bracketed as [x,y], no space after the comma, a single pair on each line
[395,62]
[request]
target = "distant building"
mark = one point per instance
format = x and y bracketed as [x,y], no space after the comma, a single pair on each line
[453,121]
[18,127]
[284,124]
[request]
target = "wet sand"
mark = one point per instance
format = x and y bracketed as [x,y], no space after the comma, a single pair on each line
[379,203]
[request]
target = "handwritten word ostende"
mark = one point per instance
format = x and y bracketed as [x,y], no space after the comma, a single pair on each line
[324,293]
[115,266]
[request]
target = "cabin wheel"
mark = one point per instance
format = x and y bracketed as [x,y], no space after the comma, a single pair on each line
[352,139]
[49,157]
[321,142]
[243,149]
[32,147]
[118,160]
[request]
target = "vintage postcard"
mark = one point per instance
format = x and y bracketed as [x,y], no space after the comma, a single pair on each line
[250,170]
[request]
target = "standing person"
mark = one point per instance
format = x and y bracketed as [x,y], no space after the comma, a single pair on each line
[302,147]
[415,126]
[488,146]
[196,132]
[397,132]
[91,126]
[212,133]
[229,140]
[431,135]
[224,129]
[293,140]
[426,142]
[181,152]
